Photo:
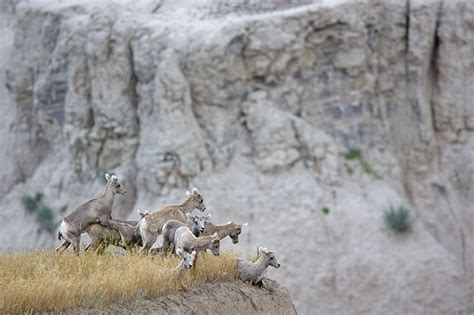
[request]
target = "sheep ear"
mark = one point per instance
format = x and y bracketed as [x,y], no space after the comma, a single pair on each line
[179,252]
[263,250]
[193,253]
[113,178]
[195,191]
[188,193]
[107,176]
[209,216]
[215,235]
[189,216]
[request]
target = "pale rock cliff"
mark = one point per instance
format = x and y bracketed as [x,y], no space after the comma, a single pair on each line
[255,104]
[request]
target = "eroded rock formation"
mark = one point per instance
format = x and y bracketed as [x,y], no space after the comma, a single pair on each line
[255,104]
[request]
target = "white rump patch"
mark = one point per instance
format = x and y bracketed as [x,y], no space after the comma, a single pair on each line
[63,229]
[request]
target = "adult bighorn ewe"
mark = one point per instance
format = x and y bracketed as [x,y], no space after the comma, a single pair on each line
[254,271]
[97,210]
[151,225]
[230,229]
[125,235]
[196,225]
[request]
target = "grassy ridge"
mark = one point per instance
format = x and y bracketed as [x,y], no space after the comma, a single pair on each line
[34,281]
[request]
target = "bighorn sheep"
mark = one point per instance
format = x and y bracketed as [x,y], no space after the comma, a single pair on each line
[125,235]
[230,229]
[187,260]
[185,241]
[196,225]
[254,271]
[151,225]
[97,210]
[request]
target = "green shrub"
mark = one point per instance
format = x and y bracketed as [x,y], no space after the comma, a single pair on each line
[325,210]
[398,219]
[44,214]
[355,154]
[29,203]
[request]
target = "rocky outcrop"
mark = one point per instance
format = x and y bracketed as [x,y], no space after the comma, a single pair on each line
[213,298]
[255,104]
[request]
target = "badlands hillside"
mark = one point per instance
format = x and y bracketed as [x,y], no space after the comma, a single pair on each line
[257,104]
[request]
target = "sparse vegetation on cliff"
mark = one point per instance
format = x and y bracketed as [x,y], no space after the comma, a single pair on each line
[43,213]
[356,155]
[398,219]
[43,281]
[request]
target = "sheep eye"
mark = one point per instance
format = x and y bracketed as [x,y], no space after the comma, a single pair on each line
[118,185]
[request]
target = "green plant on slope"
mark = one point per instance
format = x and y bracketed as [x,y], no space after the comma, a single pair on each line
[325,210]
[28,202]
[398,219]
[355,154]
[44,214]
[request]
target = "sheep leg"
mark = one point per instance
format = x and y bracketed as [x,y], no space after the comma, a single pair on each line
[166,245]
[110,223]
[146,248]
[148,240]
[76,241]
[101,248]
[63,246]
[93,245]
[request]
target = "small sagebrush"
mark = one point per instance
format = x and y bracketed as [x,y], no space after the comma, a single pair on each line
[45,281]
[398,219]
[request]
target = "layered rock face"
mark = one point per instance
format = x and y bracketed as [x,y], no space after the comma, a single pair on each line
[256,104]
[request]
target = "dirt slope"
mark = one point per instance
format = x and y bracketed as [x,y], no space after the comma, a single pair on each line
[214,298]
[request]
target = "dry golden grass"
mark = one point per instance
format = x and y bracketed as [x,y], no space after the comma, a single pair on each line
[46,281]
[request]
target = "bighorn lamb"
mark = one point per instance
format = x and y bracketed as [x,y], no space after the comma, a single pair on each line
[185,241]
[230,229]
[187,260]
[97,210]
[254,271]
[196,225]
[151,225]
[125,235]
